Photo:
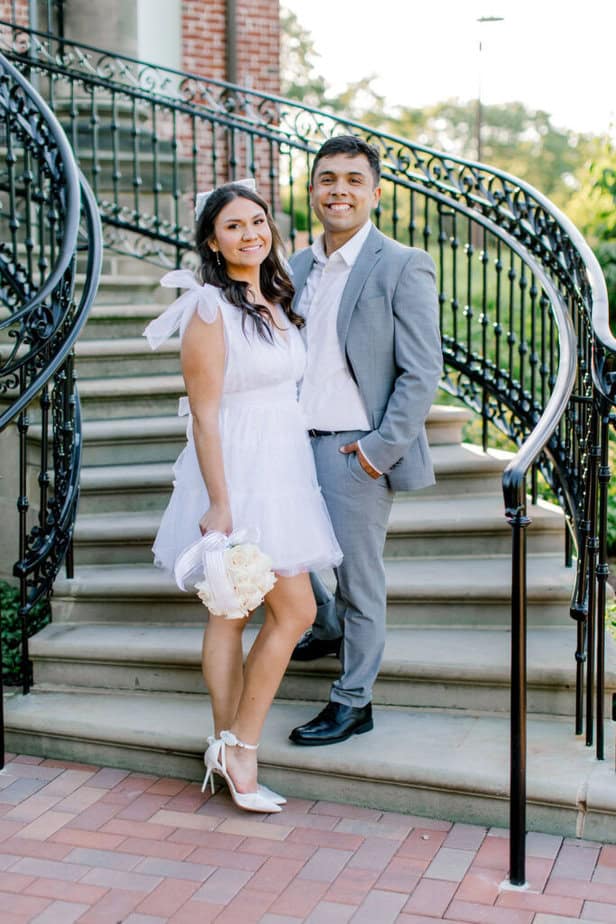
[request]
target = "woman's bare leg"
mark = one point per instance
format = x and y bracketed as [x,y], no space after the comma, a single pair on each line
[289,612]
[223,668]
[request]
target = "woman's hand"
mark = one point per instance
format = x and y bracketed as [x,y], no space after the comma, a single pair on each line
[217,519]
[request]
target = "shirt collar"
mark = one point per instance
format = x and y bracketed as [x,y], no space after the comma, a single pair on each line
[348,252]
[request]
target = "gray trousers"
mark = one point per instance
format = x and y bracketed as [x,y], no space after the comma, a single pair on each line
[359,508]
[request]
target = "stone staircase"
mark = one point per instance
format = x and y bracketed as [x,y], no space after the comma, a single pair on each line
[117,674]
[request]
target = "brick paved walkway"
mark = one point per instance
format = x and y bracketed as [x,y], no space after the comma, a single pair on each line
[80,844]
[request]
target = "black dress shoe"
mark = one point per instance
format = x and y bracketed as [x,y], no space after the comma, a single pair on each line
[309,648]
[336,723]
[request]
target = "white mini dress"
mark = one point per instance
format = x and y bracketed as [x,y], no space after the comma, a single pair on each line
[268,461]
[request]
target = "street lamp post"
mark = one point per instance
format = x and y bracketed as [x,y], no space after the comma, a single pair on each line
[480,20]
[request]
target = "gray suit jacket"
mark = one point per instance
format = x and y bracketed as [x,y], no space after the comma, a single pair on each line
[388,331]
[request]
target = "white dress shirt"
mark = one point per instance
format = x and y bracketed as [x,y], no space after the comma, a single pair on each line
[329,396]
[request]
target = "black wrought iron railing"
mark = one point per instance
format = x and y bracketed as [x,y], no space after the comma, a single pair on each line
[48,217]
[523,306]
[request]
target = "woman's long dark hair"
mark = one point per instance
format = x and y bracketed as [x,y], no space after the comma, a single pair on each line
[276,285]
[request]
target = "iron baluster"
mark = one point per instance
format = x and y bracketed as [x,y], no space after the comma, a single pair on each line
[156,184]
[602,575]
[427,230]
[511,337]
[232,155]
[484,323]
[73,120]
[28,178]
[412,223]
[137,180]
[43,477]
[95,169]
[308,209]
[440,266]
[468,304]
[23,505]
[522,341]
[394,212]
[455,304]
[593,547]
[214,150]
[176,186]
[497,325]
[517,770]
[272,176]
[291,186]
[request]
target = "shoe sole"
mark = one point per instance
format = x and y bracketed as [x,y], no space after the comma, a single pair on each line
[360,730]
[328,654]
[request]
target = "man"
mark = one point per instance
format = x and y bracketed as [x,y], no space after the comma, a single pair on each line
[373,367]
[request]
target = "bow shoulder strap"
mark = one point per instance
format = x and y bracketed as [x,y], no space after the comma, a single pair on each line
[202,298]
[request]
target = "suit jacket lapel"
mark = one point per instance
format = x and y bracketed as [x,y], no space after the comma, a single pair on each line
[301,264]
[362,268]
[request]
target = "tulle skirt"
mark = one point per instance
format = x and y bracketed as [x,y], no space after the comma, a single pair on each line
[271,481]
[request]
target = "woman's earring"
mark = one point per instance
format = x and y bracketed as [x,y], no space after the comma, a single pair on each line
[218,260]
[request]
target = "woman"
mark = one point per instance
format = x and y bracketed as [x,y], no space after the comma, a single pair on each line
[248,463]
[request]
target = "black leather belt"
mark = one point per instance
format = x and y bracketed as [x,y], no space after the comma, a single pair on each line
[324,432]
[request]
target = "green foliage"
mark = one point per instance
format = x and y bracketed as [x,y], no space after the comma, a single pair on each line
[10,629]
[593,208]
[298,63]
[514,138]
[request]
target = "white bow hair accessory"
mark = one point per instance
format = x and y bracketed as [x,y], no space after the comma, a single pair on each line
[235,574]
[202,197]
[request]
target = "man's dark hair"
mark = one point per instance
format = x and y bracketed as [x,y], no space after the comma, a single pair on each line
[350,145]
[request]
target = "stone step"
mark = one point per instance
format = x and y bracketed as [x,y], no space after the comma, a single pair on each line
[438,526]
[471,524]
[120,320]
[123,357]
[444,424]
[464,468]
[121,441]
[428,592]
[133,441]
[136,396]
[116,288]
[438,764]
[128,490]
[422,667]
[127,486]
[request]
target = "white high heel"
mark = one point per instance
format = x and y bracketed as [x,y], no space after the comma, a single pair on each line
[216,762]
[265,791]
[271,795]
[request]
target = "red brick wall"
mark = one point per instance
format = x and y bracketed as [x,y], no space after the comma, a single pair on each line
[21,11]
[258,45]
[203,37]
[258,68]
[258,41]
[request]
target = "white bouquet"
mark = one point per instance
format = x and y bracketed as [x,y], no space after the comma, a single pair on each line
[236,573]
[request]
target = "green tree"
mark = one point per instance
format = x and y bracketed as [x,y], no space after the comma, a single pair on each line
[301,80]
[515,139]
[593,207]
[299,76]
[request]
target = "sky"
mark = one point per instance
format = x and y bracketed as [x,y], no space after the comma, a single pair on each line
[555,55]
